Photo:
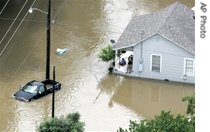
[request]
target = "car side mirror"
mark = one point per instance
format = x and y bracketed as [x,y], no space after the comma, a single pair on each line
[21,87]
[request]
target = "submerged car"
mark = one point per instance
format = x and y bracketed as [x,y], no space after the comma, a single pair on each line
[35,89]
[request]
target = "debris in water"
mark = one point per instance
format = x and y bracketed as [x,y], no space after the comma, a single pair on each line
[62,51]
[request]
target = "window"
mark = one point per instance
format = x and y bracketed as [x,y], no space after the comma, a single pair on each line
[189,67]
[156,63]
[41,89]
[30,89]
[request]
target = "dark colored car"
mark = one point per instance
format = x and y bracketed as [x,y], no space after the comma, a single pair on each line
[35,89]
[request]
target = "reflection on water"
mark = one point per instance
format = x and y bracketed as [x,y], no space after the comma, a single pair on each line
[105,101]
[148,97]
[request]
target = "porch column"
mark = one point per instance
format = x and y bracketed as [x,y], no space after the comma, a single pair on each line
[116,51]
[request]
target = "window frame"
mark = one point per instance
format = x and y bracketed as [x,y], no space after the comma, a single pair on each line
[193,73]
[152,60]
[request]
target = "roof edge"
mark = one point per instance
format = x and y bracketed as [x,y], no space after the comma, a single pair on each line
[150,37]
[176,44]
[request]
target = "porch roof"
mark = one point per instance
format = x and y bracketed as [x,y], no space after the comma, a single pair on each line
[175,23]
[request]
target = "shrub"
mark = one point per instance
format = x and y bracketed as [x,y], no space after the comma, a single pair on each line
[107,54]
[165,122]
[70,123]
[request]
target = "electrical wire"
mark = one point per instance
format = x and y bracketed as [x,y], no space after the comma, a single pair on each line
[4,7]
[30,52]
[63,4]
[13,22]
[15,30]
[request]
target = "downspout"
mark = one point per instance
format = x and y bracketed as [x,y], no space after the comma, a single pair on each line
[141,53]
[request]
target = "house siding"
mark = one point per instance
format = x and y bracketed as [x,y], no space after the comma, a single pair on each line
[172,67]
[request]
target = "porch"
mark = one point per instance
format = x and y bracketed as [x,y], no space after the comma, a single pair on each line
[119,69]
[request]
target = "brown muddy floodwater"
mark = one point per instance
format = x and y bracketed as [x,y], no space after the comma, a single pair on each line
[105,101]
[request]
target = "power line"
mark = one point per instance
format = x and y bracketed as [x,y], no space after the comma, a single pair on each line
[13,23]
[29,53]
[16,28]
[4,7]
[63,4]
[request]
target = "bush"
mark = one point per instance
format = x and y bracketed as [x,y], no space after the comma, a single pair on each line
[191,104]
[165,122]
[70,123]
[107,54]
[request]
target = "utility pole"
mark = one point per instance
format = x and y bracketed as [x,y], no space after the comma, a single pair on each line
[48,41]
[53,94]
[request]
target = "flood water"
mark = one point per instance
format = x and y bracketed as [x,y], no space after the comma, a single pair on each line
[105,101]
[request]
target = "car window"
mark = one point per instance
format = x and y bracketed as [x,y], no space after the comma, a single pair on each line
[41,89]
[30,89]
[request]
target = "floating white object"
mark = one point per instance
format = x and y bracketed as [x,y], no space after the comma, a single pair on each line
[61,51]
[193,8]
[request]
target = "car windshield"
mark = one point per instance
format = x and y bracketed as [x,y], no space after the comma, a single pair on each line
[30,89]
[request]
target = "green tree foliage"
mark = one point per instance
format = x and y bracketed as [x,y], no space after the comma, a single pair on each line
[70,123]
[107,54]
[166,122]
[191,104]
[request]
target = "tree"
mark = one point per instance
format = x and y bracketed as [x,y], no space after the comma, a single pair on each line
[107,54]
[70,123]
[166,122]
[191,104]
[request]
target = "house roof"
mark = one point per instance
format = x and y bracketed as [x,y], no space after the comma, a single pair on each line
[175,23]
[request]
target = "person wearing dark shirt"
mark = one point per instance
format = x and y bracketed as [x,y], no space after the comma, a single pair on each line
[130,63]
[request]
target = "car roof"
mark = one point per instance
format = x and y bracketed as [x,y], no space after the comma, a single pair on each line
[34,82]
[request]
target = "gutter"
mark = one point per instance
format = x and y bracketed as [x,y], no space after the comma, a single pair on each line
[149,37]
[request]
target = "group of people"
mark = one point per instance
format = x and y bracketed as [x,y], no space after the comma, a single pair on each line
[130,63]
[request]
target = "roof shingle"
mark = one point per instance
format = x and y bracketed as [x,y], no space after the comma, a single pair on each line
[175,22]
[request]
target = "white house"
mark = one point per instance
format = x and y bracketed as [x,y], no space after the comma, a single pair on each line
[162,44]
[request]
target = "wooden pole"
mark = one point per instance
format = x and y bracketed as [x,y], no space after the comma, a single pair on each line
[48,41]
[53,94]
